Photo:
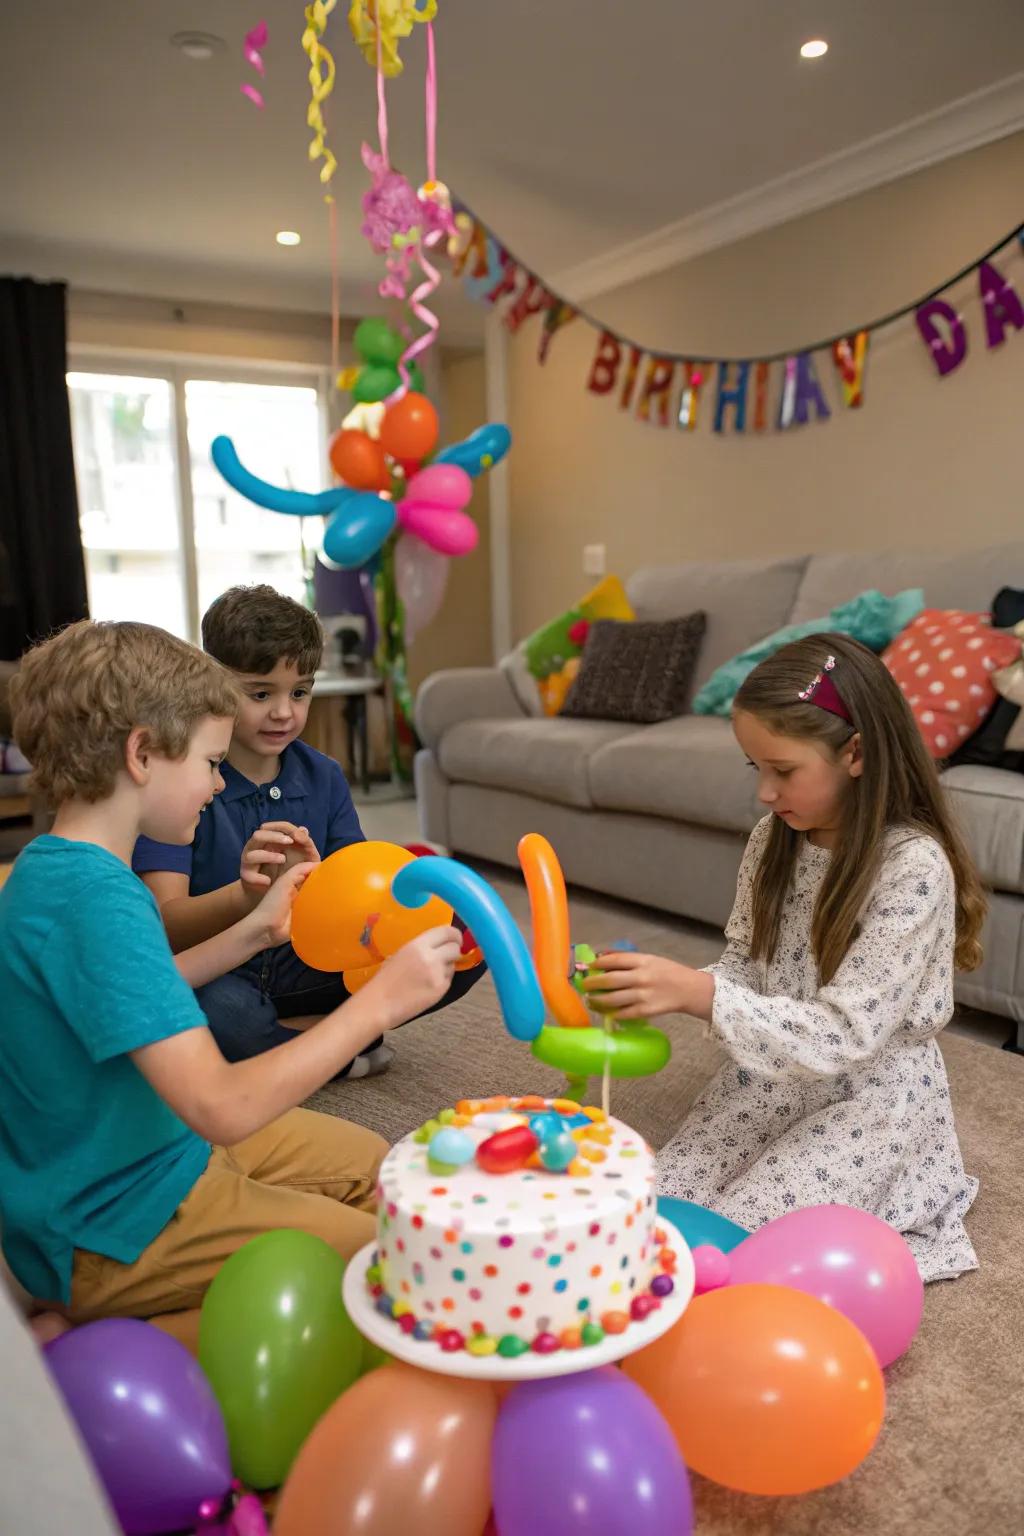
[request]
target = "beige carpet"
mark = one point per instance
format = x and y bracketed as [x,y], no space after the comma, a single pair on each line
[949,1460]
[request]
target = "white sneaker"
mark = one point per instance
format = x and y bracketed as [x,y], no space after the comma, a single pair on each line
[372,1063]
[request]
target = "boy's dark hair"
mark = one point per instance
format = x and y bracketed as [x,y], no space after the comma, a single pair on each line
[251,629]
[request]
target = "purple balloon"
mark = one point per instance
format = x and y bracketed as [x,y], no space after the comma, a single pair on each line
[149,1421]
[847,1258]
[590,1454]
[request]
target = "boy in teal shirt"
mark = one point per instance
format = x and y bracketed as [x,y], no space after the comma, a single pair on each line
[133,1158]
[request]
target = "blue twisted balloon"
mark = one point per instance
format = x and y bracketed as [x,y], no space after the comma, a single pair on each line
[482,910]
[274,497]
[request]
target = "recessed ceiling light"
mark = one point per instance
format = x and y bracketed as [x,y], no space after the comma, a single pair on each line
[814,49]
[288,237]
[198,45]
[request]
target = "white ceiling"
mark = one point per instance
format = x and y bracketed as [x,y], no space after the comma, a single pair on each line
[574,127]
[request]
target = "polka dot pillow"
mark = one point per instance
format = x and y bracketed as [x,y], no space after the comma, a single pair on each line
[943,662]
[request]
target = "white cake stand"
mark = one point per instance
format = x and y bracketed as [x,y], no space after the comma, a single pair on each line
[386,1333]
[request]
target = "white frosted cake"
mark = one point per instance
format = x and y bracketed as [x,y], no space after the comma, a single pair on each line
[516,1224]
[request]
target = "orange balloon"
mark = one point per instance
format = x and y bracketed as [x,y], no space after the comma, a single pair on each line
[409,429]
[355,981]
[549,913]
[359,461]
[766,1389]
[345,917]
[402,1450]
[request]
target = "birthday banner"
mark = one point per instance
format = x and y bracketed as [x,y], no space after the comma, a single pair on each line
[756,394]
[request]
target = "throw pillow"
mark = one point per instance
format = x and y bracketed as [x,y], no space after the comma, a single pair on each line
[871,618]
[637,672]
[541,670]
[944,663]
[998,743]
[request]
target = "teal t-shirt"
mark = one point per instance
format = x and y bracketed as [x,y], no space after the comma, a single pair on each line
[90,1156]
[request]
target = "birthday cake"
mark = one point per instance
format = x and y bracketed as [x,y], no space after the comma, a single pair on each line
[508,1225]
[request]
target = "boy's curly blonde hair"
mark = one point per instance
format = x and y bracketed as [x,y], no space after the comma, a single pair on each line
[76,698]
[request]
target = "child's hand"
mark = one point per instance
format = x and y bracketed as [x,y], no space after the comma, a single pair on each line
[635,986]
[274,847]
[272,918]
[416,977]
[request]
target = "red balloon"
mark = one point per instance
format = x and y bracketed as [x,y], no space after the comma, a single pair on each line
[409,429]
[358,460]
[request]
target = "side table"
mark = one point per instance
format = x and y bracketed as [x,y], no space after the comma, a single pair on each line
[354,689]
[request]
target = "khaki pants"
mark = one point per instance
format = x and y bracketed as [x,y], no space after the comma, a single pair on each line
[307,1171]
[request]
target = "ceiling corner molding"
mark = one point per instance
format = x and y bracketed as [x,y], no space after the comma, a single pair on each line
[968,123]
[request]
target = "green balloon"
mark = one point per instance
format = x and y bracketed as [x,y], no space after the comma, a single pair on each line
[378,342]
[373,1357]
[376,381]
[278,1347]
[635,1051]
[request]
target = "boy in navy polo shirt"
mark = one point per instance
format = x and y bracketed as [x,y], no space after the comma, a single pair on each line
[282,803]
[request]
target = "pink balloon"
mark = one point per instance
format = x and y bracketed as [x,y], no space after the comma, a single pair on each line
[711,1269]
[847,1258]
[447,532]
[441,485]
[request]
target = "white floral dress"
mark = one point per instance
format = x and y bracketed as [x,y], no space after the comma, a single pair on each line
[836,1093]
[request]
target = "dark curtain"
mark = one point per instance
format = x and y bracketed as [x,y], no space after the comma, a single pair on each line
[42,568]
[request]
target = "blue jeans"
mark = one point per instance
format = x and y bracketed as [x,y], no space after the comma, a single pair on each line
[245,1007]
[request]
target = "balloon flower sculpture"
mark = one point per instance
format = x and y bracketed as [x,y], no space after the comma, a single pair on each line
[574,1044]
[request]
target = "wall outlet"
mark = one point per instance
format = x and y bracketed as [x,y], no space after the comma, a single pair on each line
[593,560]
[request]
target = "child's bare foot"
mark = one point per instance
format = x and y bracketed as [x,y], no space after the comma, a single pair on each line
[47,1326]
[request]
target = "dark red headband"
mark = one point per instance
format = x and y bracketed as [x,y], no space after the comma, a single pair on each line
[823,692]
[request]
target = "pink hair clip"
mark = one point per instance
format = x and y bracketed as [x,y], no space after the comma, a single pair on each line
[822,691]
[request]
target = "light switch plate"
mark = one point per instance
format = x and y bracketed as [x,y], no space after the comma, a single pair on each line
[593,559]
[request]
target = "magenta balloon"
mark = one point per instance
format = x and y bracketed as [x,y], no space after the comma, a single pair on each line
[441,485]
[447,532]
[148,1418]
[587,1455]
[847,1258]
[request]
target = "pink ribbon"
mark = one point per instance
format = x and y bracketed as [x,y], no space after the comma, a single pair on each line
[254,41]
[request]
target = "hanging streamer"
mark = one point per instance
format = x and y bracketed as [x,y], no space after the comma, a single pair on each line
[689,399]
[378,27]
[255,40]
[321,83]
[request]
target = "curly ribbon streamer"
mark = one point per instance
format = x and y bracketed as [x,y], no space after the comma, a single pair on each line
[254,41]
[321,82]
[549,917]
[483,910]
[378,25]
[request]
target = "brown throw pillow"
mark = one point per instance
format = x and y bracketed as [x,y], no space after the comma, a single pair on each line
[639,672]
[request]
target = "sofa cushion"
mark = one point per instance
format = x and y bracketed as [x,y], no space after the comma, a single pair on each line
[944,662]
[547,758]
[989,803]
[640,672]
[962,578]
[689,770]
[743,599]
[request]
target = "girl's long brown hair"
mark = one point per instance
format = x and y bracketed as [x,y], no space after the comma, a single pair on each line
[898,787]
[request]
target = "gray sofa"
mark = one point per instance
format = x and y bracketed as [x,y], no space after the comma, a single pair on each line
[659,814]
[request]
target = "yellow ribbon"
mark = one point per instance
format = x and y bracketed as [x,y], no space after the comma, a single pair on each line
[321,82]
[395,18]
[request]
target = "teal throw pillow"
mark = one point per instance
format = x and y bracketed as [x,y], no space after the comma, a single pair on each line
[871,618]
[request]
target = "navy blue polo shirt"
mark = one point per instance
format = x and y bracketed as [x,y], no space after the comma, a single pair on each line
[310,791]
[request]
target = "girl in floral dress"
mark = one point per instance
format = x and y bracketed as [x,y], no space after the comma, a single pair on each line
[855,901]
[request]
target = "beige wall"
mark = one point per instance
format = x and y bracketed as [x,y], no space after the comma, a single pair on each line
[925,461]
[460,636]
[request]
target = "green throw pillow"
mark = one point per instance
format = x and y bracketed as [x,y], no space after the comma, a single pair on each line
[871,618]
